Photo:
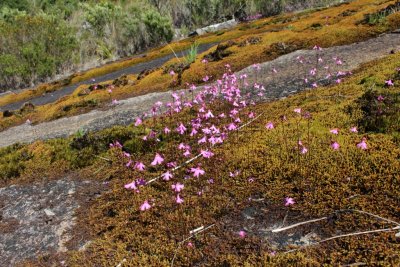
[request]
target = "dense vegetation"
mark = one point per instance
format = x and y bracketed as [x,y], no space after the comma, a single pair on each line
[44,38]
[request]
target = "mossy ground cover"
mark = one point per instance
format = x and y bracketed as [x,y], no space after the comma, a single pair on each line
[254,168]
[278,35]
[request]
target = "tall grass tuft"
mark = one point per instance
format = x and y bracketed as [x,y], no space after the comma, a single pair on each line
[191,56]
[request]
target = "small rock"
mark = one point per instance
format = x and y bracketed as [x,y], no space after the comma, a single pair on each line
[49,212]
[71,191]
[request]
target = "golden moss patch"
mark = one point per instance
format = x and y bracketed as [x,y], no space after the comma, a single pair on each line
[321,181]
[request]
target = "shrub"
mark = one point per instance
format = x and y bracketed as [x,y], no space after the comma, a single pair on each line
[33,49]
[158,27]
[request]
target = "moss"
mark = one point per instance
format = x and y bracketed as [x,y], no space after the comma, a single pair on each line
[12,161]
[321,182]
[381,111]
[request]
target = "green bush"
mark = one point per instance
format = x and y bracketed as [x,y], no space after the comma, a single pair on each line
[34,49]
[159,27]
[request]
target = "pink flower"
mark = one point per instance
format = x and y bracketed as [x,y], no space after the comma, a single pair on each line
[205,79]
[335,145]
[209,115]
[190,244]
[197,171]
[167,130]
[232,127]
[193,132]
[181,146]
[242,234]
[172,73]
[317,48]
[303,150]
[203,140]
[389,83]
[269,125]
[204,61]
[353,129]
[178,199]
[297,110]
[139,166]
[145,206]
[235,173]
[131,185]
[157,160]
[206,130]
[363,144]
[171,164]
[116,144]
[178,187]
[257,67]
[380,98]
[115,102]
[181,128]
[289,201]
[138,122]
[167,176]
[334,131]
[206,154]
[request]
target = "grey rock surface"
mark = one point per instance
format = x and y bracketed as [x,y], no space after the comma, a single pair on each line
[215,27]
[38,218]
[286,81]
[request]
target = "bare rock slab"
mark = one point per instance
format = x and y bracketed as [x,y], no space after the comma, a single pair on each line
[38,218]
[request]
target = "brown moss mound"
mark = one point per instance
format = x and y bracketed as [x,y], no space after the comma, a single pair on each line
[7,113]
[282,48]
[146,72]
[250,41]
[220,52]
